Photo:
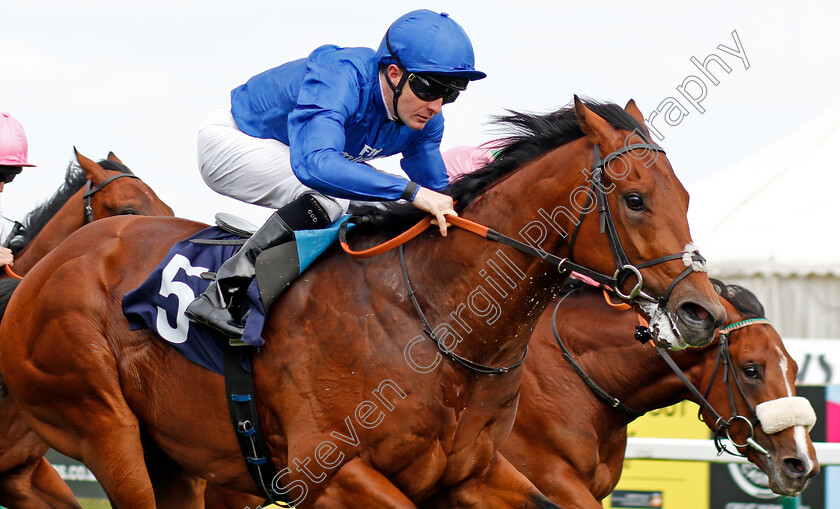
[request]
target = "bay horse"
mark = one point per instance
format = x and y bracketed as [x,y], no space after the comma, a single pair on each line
[346,376]
[27,480]
[570,442]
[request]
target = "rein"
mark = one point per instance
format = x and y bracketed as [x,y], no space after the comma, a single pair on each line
[427,329]
[90,192]
[593,386]
[624,270]
[721,425]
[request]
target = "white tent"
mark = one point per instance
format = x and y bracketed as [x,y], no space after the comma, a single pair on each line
[772,224]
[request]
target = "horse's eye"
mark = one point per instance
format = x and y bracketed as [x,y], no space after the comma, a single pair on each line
[128,212]
[635,202]
[751,371]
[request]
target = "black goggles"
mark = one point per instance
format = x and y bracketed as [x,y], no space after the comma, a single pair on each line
[8,175]
[428,88]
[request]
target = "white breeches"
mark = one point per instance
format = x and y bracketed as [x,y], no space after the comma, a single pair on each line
[252,170]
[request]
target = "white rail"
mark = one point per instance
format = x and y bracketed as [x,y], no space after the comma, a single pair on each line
[679,449]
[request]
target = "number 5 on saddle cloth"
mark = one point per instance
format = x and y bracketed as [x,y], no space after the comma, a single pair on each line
[159,303]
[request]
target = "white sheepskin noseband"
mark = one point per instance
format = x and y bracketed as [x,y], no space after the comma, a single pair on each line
[688,261]
[783,413]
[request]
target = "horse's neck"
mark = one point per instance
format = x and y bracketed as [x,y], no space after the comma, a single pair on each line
[486,295]
[68,219]
[635,374]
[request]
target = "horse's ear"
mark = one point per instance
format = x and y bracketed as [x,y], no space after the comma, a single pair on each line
[95,173]
[594,127]
[634,112]
[113,157]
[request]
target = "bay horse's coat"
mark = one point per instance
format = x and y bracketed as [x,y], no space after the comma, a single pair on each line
[27,480]
[335,353]
[571,444]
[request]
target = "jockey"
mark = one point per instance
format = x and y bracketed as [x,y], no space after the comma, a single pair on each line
[297,138]
[13,158]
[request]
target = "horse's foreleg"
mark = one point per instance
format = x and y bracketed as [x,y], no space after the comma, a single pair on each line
[36,485]
[27,480]
[499,486]
[174,487]
[357,484]
[91,422]
[51,487]
[112,451]
[563,484]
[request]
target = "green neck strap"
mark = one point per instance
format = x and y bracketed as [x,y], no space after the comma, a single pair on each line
[744,323]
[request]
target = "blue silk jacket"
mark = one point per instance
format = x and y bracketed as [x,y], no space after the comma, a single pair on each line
[329,109]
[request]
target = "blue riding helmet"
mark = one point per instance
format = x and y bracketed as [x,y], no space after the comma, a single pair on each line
[426,42]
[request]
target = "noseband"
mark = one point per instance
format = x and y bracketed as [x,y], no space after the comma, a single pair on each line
[90,192]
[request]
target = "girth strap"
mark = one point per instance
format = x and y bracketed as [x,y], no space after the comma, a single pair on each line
[239,394]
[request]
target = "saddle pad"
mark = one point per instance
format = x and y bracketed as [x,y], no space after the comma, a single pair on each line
[159,303]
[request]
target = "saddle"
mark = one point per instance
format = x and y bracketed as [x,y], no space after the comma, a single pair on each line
[277,267]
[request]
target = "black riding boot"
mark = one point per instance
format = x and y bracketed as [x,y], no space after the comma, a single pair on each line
[223,305]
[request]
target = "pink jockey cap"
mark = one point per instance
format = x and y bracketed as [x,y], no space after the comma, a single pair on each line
[13,144]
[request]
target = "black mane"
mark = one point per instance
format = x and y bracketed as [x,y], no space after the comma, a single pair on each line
[744,300]
[525,136]
[529,136]
[74,180]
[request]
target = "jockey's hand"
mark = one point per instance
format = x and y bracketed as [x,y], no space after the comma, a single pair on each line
[436,204]
[6,257]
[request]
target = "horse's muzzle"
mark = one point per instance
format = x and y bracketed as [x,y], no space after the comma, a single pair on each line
[791,475]
[688,323]
[697,322]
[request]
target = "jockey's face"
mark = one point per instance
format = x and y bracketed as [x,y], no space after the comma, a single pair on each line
[412,110]
[7,174]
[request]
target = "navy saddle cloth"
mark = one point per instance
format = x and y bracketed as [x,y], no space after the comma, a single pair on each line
[159,303]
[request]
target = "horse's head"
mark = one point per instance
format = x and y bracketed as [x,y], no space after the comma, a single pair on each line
[759,381]
[108,194]
[99,190]
[634,201]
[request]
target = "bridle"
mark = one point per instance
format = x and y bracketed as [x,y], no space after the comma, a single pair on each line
[90,191]
[721,425]
[727,368]
[624,267]
[624,270]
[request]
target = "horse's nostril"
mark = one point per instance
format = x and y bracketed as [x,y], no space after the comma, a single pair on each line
[795,467]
